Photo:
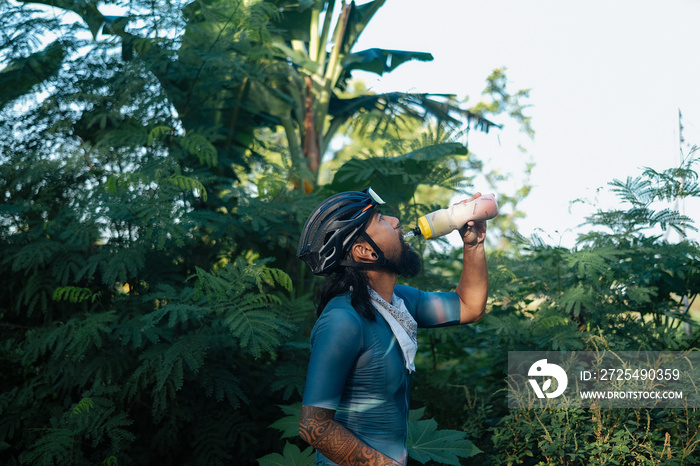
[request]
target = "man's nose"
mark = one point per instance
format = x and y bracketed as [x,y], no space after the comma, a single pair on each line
[394,222]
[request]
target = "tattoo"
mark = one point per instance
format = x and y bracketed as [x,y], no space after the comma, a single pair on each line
[318,427]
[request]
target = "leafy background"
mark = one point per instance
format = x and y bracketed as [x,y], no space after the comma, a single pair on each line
[155,172]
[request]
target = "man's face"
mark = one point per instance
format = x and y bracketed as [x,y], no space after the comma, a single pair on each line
[386,232]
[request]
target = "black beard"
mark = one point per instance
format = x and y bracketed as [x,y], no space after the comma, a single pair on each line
[408,264]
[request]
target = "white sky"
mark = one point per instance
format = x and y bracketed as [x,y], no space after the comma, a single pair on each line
[607,80]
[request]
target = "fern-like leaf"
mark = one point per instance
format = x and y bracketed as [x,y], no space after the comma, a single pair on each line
[83,406]
[590,264]
[637,191]
[133,332]
[190,350]
[123,264]
[213,286]
[257,328]
[196,144]
[221,383]
[189,184]
[35,254]
[115,428]
[74,338]
[52,448]
[180,314]
[110,461]
[289,378]
[251,317]
[157,133]
[90,332]
[73,294]
[170,372]
[36,293]
[577,297]
[274,277]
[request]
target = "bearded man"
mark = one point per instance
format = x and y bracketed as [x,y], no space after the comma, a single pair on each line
[356,399]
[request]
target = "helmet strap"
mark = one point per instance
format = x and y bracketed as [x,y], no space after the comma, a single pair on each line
[380,262]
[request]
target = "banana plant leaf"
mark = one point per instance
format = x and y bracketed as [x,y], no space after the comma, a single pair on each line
[417,106]
[86,9]
[20,76]
[295,19]
[380,61]
[358,18]
[296,15]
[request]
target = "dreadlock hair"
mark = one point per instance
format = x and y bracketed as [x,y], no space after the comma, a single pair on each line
[353,279]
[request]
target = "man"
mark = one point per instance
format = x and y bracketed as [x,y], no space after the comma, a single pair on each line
[356,400]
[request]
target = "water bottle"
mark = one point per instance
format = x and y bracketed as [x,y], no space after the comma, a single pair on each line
[443,221]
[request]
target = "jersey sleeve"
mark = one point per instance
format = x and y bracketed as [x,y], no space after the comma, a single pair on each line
[431,309]
[336,342]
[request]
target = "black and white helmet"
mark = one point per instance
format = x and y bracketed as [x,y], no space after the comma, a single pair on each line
[333,227]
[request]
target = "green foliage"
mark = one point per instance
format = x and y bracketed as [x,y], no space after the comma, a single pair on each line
[189,184]
[83,406]
[19,77]
[288,425]
[400,176]
[248,315]
[199,146]
[613,436]
[291,456]
[426,443]
[73,294]
[139,323]
[93,421]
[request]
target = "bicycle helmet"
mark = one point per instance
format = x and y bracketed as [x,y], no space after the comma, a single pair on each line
[333,227]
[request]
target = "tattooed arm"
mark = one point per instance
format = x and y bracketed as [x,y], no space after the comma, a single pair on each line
[318,428]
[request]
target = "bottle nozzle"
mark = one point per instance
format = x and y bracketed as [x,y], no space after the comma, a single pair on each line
[411,233]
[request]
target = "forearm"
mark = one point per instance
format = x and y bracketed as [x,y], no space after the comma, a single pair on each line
[318,428]
[473,286]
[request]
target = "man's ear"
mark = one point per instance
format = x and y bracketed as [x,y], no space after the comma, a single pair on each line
[363,252]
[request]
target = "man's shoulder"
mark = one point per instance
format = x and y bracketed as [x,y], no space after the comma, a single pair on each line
[339,317]
[340,307]
[341,301]
[407,293]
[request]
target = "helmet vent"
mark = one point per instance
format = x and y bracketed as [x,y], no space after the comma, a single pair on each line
[330,253]
[329,236]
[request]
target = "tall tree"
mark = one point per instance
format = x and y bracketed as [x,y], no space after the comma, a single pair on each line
[322,60]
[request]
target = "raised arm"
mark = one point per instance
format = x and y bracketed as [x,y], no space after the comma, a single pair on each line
[473,286]
[319,429]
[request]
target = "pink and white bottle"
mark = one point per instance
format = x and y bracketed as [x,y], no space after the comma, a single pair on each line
[443,221]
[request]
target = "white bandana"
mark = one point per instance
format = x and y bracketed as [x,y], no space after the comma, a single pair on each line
[402,323]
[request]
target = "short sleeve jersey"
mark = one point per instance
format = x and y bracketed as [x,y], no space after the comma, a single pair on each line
[357,369]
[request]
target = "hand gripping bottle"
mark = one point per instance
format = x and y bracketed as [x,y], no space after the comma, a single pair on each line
[443,221]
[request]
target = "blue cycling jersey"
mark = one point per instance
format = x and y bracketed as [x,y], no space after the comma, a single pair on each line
[357,369]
